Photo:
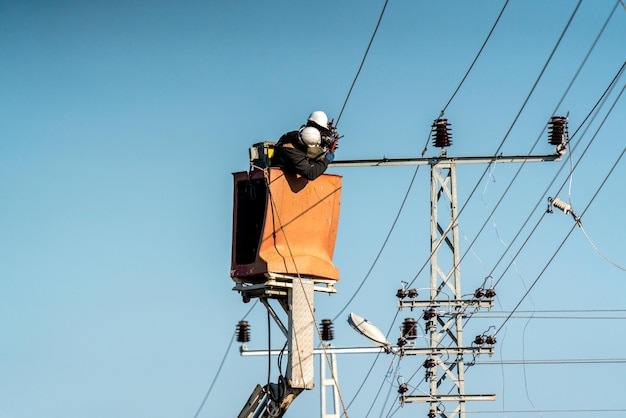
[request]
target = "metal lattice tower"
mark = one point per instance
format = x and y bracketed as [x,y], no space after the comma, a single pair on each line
[443,311]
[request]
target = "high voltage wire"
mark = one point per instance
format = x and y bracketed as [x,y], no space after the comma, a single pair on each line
[338,118]
[354,294]
[594,111]
[553,361]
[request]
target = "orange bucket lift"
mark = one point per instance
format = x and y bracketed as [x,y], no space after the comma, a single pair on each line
[284,226]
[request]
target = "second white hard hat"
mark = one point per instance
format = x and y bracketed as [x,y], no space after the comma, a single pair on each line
[319,118]
[310,136]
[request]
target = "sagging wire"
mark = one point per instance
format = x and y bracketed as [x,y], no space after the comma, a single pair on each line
[524,366]
[538,222]
[564,240]
[600,252]
[380,388]
[567,209]
[605,94]
[396,376]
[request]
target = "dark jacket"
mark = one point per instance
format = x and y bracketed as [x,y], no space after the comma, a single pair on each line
[291,156]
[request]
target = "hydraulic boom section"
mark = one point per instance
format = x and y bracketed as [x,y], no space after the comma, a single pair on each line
[270,401]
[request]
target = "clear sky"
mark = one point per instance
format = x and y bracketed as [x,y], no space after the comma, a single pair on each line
[122,121]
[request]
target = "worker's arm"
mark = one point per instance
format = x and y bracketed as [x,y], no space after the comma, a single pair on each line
[296,161]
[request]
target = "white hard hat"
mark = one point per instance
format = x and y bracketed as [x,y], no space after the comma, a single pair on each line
[310,136]
[319,118]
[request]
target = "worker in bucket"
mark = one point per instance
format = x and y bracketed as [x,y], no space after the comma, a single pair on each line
[309,150]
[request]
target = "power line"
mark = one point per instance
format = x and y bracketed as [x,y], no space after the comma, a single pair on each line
[577,318]
[423,152]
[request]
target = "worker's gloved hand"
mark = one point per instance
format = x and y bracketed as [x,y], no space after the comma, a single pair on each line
[330,156]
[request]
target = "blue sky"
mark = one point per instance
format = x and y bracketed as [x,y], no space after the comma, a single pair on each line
[120,126]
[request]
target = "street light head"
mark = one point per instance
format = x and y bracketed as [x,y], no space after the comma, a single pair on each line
[368,330]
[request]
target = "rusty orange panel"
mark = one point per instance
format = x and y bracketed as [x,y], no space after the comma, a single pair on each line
[289,227]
